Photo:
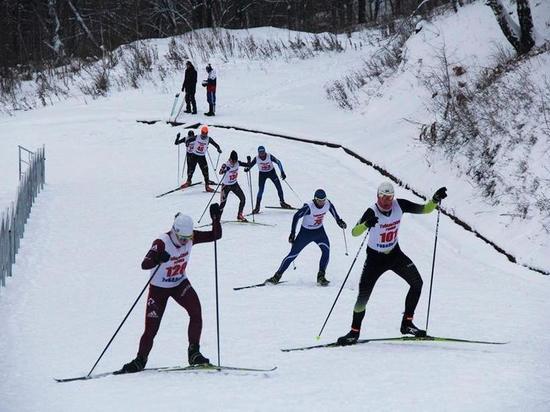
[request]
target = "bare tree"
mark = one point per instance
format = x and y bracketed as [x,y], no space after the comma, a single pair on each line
[520,36]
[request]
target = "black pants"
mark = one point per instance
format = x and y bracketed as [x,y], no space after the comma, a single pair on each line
[190,101]
[375,265]
[192,161]
[235,188]
[261,185]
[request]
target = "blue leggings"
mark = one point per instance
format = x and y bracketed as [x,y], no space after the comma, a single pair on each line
[263,176]
[304,238]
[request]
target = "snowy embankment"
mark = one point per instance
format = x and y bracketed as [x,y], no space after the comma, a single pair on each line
[78,269]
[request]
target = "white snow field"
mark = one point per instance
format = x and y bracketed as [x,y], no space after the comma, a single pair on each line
[78,270]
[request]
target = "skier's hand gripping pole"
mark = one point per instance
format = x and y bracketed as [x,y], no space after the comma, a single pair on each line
[212,197]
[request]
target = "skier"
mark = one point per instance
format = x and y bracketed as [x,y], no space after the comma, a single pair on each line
[383,253]
[189,86]
[267,171]
[210,84]
[230,172]
[312,230]
[188,144]
[198,155]
[169,256]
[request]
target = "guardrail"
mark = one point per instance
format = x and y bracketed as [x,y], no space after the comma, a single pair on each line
[12,227]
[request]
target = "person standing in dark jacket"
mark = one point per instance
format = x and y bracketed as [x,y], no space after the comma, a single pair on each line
[190,87]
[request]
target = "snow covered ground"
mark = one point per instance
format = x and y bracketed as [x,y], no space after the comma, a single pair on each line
[78,268]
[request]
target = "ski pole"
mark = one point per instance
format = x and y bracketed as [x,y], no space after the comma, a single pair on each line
[299,198]
[345,241]
[433,267]
[212,163]
[218,160]
[217,299]
[342,287]
[123,320]
[212,197]
[178,173]
[250,186]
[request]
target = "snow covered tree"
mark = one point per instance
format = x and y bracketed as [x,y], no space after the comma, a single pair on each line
[520,36]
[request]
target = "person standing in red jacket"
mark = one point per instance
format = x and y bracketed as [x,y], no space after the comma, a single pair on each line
[169,256]
[210,84]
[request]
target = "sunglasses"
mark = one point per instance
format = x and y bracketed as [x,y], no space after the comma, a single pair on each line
[182,238]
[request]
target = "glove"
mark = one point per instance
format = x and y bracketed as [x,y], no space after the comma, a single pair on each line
[370,219]
[215,212]
[246,169]
[178,135]
[439,195]
[291,238]
[164,257]
[341,223]
[220,151]
[283,175]
[248,159]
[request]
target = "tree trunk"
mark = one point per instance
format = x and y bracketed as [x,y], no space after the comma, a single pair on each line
[57,45]
[520,37]
[361,11]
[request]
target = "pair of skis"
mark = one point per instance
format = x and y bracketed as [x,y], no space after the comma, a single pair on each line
[240,222]
[176,189]
[396,339]
[198,368]
[173,119]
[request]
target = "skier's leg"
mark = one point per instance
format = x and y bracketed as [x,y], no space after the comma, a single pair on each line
[204,168]
[261,186]
[223,197]
[301,241]
[156,304]
[275,179]
[324,244]
[191,165]
[405,268]
[242,200]
[186,297]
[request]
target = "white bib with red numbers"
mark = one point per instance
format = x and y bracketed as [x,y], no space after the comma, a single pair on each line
[170,274]
[383,236]
[200,145]
[231,174]
[316,216]
[265,165]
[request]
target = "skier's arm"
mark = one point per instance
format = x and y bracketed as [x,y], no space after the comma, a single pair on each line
[367,221]
[338,219]
[297,216]
[410,207]
[275,160]
[251,164]
[179,140]
[216,232]
[155,256]
[217,146]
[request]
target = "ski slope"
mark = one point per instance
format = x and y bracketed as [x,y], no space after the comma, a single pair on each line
[78,270]
[78,273]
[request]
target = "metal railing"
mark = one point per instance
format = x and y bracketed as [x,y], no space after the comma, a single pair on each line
[31,181]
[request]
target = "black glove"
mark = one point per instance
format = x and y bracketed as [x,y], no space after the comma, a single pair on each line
[246,169]
[439,195]
[215,212]
[291,238]
[283,175]
[370,219]
[178,135]
[163,257]
[220,151]
[341,223]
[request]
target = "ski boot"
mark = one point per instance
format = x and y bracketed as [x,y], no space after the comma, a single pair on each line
[285,205]
[274,279]
[208,188]
[186,184]
[195,357]
[256,210]
[409,328]
[241,218]
[187,111]
[137,365]
[349,339]
[321,279]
